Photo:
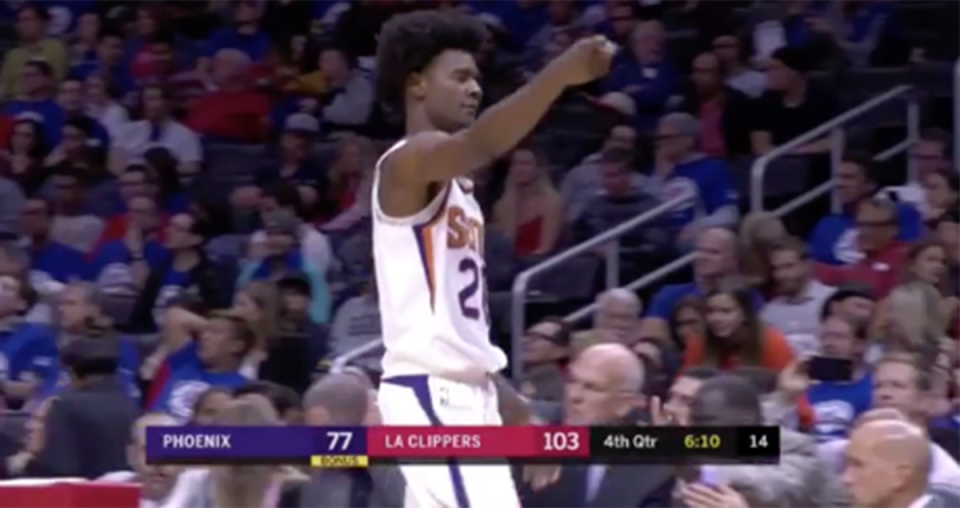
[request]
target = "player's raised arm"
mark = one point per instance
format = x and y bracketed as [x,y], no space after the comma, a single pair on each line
[440,94]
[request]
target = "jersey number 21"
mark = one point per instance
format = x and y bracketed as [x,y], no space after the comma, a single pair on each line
[472,304]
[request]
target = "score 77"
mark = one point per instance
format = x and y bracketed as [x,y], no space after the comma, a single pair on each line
[339,441]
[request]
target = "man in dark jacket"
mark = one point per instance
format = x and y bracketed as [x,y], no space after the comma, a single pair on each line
[88,426]
[185,269]
[725,113]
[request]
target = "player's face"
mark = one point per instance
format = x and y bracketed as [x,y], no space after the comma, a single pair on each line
[451,90]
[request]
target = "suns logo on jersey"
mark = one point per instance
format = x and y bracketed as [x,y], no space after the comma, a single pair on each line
[464,232]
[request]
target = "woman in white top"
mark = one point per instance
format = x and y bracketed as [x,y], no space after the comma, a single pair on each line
[102,107]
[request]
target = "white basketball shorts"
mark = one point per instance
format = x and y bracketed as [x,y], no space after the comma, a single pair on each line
[431,401]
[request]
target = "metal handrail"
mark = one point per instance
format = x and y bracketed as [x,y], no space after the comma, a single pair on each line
[956,116]
[518,293]
[759,169]
[340,362]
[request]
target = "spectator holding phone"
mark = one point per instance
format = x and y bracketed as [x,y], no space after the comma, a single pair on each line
[841,386]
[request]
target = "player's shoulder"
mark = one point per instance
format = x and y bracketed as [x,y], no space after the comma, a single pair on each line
[409,151]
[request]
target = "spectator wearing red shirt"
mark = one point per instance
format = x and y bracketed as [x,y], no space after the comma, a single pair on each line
[883,256]
[233,112]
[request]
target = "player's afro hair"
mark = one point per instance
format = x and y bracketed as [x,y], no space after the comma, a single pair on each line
[409,42]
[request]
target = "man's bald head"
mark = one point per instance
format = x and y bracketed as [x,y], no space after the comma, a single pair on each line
[727,399]
[887,461]
[881,414]
[336,399]
[603,385]
[617,362]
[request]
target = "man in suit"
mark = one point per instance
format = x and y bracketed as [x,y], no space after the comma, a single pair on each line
[888,465]
[603,388]
[88,426]
[342,400]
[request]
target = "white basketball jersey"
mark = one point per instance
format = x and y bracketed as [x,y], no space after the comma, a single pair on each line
[432,286]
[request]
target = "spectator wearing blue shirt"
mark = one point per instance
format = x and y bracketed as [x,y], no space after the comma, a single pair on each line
[680,169]
[715,259]
[834,238]
[186,269]
[283,257]
[645,74]
[837,404]
[214,359]
[28,351]
[245,36]
[121,267]
[108,64]
[37,101]
[49,260]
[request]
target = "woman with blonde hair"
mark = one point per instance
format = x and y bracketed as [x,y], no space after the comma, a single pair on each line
[530,211]
[759,231]
[281,357]
[259,303]
[910,319]
[246,486]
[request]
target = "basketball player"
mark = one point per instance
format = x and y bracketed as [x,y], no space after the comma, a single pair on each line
[439,366]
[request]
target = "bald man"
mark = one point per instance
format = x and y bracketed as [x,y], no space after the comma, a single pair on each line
[887,465]
[715,258]
[603,386]
[943,470]
[336,399]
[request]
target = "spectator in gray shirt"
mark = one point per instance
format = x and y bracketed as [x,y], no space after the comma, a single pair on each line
[356,323]
[584,182]
[619,201]
[350,97]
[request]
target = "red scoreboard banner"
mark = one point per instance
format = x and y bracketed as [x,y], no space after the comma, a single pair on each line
[478,442]
[560,444]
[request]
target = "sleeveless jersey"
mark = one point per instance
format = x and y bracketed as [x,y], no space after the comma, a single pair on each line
[432,286]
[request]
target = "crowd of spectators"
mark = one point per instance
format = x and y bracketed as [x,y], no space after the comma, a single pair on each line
[185,239]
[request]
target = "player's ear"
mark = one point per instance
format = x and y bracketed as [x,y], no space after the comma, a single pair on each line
[416,86]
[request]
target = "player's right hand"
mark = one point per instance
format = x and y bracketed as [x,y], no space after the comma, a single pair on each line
[586,60]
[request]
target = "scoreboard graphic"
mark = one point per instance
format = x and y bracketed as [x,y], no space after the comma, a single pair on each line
[350,447]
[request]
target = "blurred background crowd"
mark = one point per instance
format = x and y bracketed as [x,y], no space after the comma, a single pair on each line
[719,225]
